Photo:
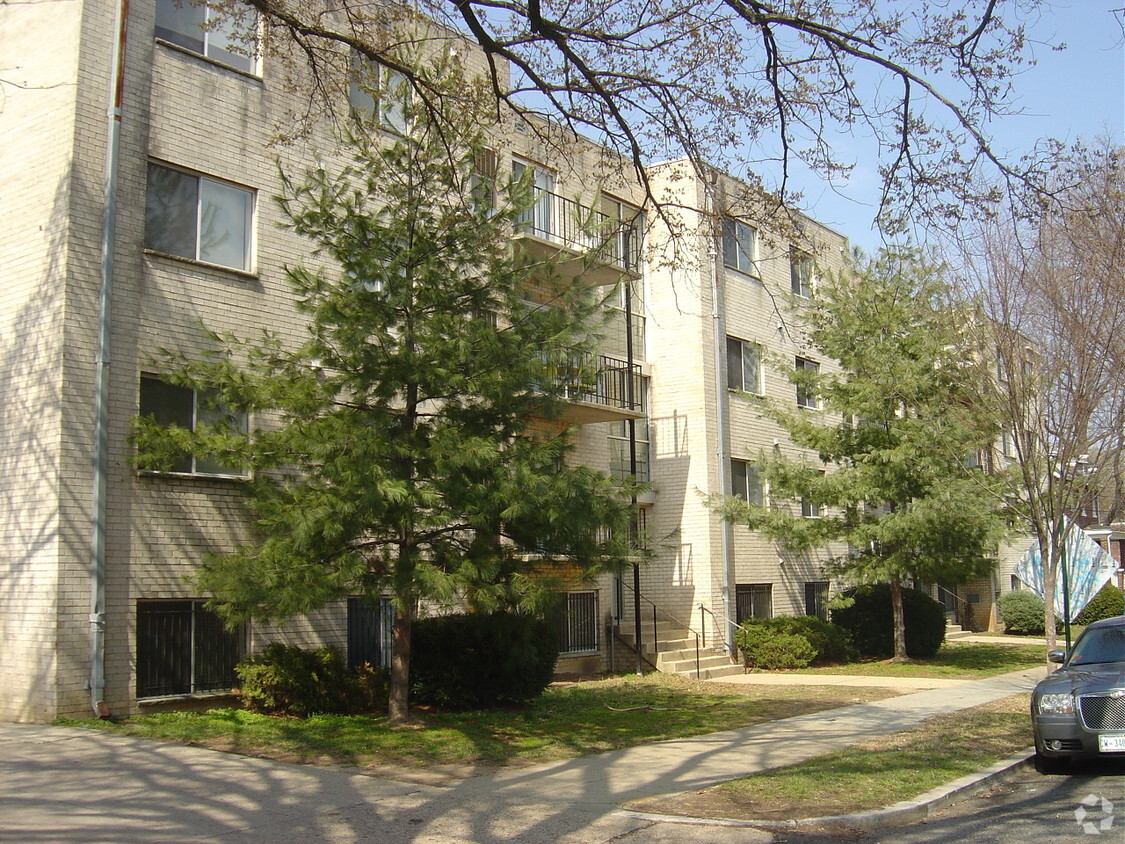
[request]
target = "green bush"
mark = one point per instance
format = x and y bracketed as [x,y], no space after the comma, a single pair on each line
[476,660]
[763,646]
[1109,601]
[287,680]
[1021,612]
[870,621]
[829,642]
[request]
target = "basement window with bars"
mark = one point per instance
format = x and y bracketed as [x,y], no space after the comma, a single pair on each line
[578,623]
[184,649]
[753,600]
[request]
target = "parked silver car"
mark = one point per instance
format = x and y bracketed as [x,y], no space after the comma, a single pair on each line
[1079,710]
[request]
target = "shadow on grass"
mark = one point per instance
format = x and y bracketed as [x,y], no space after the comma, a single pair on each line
[563,723]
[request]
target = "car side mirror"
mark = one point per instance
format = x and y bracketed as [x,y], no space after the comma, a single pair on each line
[1056,656]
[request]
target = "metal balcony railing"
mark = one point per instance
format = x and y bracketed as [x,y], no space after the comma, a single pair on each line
[607,385]
[557,219]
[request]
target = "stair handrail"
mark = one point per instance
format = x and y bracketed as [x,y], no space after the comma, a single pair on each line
[703,623]
[666,614]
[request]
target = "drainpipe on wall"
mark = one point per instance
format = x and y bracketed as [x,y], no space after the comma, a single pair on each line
[723,433]
[101,369]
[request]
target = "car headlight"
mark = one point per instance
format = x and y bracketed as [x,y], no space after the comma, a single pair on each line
[1056,704]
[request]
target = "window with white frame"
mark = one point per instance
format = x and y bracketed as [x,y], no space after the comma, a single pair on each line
[740,246]
[538,218]
[801,273]
[224,37]
[578,622]
[619,458]
[744,366]
[1007,444]
[197,217]
[375,89]
[806,393]
[810,509]
[746,483]
[183,649]
[169,404]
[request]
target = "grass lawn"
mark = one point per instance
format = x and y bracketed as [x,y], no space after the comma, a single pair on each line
[872,774]
[954,659]
[568,720]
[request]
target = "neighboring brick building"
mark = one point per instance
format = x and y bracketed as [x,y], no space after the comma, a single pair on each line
[197,120]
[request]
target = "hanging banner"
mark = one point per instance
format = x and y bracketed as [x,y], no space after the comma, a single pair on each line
[1087,564]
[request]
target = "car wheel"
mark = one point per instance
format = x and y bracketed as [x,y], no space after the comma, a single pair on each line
[1051,764]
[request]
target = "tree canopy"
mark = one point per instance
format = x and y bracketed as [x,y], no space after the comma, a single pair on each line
[895,433]
[1049,280]
[744,85]
[406,446]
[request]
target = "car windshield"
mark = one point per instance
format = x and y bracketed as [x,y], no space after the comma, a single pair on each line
[1104,644]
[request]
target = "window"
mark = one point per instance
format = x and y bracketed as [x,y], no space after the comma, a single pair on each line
[378,90]
[745,482]
[816,599]
[744,366]
[801,273]
[167,404]
[199,218]
[1015,583]
[753,600]
[578,622]
[482,180]
[740,247]
[202,30]
[536,219]
[809,508]
[619,462]
[806,394]
[1007,444]
[183,649]
[369,632]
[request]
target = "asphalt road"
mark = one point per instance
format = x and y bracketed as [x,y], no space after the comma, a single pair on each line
[1029,809]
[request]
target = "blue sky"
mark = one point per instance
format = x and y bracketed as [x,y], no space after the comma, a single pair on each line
[1075,93]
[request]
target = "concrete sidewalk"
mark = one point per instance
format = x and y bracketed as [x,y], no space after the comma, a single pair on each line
[71,785]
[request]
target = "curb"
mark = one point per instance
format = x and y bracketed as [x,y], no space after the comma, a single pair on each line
[900,814]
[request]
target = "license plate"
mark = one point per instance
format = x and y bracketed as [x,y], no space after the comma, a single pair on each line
[1111,744]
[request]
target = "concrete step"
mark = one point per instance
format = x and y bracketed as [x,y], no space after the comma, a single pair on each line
[687,666]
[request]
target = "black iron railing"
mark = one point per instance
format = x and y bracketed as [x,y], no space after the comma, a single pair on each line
[604,381]
[608,240]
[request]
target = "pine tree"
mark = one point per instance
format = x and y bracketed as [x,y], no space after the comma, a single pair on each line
[409,447]
[900,422]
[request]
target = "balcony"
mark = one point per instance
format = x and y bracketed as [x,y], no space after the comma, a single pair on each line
[584,241]
[603,395]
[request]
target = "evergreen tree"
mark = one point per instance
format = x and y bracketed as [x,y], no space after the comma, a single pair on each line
[404,447]
[900,421]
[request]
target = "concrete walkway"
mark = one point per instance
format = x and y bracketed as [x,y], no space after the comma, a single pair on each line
[70,785]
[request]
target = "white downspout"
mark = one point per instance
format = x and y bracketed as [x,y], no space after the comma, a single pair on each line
[722,449]
[101,368]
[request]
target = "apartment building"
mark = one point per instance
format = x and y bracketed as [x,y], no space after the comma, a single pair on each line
[95,605]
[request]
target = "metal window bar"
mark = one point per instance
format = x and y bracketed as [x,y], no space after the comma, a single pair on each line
[578,623]
[183,648]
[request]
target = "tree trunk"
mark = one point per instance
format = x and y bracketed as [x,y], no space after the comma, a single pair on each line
[898,620]
[398,703]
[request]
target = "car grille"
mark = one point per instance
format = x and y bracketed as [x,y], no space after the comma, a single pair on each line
[1102,712]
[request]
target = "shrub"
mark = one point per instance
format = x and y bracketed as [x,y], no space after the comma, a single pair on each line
[829,643]
[1021,612]
[870,621]
[477,660]
[287,680]
[1109,602]
[763,646]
